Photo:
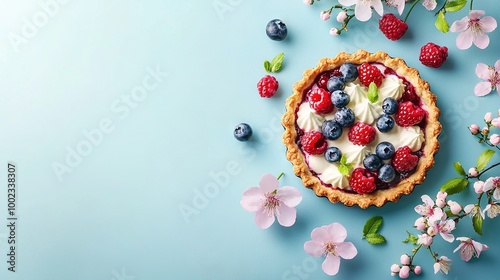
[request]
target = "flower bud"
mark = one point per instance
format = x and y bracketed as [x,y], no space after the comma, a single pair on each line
[496,122]
[440,202]
[308,2]
[420,223]
[404,272]
[325,15]
[405,259]
[417,270]
[474,129]
[431,231]
[479,187]
[455,208]
[495,139]
[341,17]
[334,32]
[488,117]
[395,268]
[485,130]
[473,172]
[425,240]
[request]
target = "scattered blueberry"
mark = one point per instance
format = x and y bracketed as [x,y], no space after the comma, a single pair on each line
[385,123]
[345,117]
[331,130]
[242,132]
[335,83]
[390,106]
[340,98]
[349,72]
[333,154]
[386,173]
[276,30]
[372,162]
[385,150]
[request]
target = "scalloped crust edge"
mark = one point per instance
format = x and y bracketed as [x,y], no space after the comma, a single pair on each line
[379,197]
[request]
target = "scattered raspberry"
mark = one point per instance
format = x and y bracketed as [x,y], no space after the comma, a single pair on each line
[403,159]
[361,134]
[319,100]
[323,80]
[432,55]
[362,181]
[267,86]
[313,142]
[369,73]
[409,114]
[392,27]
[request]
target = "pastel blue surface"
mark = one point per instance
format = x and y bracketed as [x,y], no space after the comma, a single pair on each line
[119,114]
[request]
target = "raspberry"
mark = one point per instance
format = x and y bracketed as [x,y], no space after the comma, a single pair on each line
[403,159]
[392,27]
[409,114]
[362,181]
[409,93]
[432,55]
[313,142]
[267,86]
[320,101]
[369,73]
[323,80]
[361,134]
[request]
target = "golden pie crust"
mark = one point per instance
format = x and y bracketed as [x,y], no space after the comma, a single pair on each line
[379,197]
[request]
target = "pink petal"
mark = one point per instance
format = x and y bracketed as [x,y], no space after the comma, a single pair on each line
[496,194]
[460,25]
[447,236]
[252,200]
[268,183]
[321,235]
[290,196]
[497,65]
[488,24]
[263,220]
[347,2]
[482,88]
[401,7]
[331,264]
[378,7]
[337,232]
[346,250]
[427,200]
[475,14]
[467,210]
[314,248]
[464,40]
[478,247]
[437,267]
[363,11]
[286,216]
[482,41]
[483,71]
[463,239]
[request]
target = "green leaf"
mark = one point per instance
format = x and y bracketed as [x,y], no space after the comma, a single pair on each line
[344,170]
[483,159]
[372,225]
[441,23]
[411,238]
[459,168]
[449,214]
[344,167]
[372,92]
[455,5]
[454,185]
[277,62]
[343,160]
[477,223]
[267,66]
[375,238]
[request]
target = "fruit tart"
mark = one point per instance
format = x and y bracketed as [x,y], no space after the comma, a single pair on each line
[361,129]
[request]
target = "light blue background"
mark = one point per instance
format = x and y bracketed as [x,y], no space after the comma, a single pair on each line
[116,214]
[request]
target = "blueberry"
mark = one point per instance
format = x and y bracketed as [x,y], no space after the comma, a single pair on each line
[333,154]
[349,72]
[335,83]
[386,173]
[372,162]
[345,117]
[340,98]
[331,130]
[390,106]
[385,150]
[276,30]
[242,132]
[385,123]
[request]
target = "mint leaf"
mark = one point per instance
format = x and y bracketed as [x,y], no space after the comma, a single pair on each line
[477,223]
[454,5]
[344,170]
[375,238]
[372,225]
[483,159]
[441,23]
[460,170]
[277,62]
[372,92]
[344,167]
[454,185]
[343,160]
[267,66]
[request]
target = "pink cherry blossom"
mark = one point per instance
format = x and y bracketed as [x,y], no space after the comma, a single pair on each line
[479,187]
[492,210]
[425,239]
[268,202]
[469,248]
[495,139]
[404,272]
[421,223]
[443,264]
[445,228]
[363,8]
[441,199]
[496,122]
[491,77]
[398,4]
[493,183]
[428,209]
[473,29]
[474,129]
[473,210]
[455,208]
[429,4]
[329,241]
